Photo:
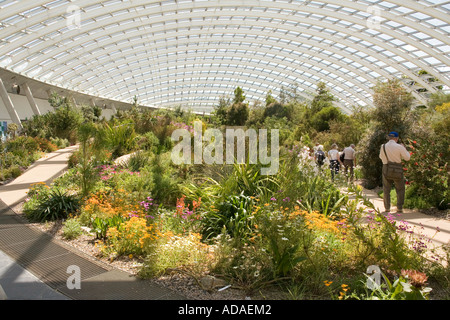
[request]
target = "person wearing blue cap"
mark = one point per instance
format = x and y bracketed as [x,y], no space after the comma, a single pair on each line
[391,154]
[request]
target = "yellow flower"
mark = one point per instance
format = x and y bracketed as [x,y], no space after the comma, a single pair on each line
[130,256]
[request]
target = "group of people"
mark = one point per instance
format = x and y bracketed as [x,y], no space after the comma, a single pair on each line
[391,155]
[337,160]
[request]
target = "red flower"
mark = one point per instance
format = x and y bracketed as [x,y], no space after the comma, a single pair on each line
[414,141]
[416,164]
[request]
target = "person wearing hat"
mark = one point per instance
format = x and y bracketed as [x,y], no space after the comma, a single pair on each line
[394,153]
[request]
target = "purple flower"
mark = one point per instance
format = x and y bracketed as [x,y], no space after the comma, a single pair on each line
[273,199]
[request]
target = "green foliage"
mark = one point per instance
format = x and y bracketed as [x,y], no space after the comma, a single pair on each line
[66,118]
[149,141]
[100,225]
[118,138]
[321,120]
[368,155]
[239,96]
[282,236]
[166,189]
[322,99]
[19,153]
[392,113]
[232,216]
[91,113]
[220,111]
[138,160]
[86,165]
[427,170]
[277,110]
[237,114]
[52,205]
[12,129]
[71,229]
[61,143]
[401,289]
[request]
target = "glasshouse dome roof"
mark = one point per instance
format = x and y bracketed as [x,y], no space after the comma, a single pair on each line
[192,52]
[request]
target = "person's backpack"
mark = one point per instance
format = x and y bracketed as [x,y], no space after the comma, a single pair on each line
[320,157]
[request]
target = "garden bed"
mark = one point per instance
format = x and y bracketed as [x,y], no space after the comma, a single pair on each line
[178,281]
[294,234]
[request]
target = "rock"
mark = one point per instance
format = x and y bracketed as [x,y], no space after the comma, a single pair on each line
[210,282]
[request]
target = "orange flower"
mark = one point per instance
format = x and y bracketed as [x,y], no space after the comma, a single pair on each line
[327,283]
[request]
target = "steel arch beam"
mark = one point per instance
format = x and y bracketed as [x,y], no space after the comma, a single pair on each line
[262,24]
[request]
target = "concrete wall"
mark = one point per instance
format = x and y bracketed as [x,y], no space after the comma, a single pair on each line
[22,107]
[24,110]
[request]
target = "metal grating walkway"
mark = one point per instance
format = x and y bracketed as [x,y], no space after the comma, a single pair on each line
[40,254]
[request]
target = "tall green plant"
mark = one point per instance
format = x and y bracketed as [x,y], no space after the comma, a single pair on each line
[53,205]
[85,167]
[119,138]
[232,216]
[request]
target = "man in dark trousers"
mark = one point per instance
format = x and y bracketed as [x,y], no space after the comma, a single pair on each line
[349,160]
[393,152]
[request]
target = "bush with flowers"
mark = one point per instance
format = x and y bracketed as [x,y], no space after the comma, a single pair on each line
[129,237]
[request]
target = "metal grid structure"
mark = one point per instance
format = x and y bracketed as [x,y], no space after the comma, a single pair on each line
[192,52]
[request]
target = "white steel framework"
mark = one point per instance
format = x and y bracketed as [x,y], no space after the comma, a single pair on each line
[192,52]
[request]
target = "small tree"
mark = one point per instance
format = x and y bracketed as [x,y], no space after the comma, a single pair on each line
[238,95]
[392,104]
[12,129]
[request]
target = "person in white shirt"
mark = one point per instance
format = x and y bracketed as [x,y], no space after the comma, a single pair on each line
[349,160]
[335,162]
[395,152]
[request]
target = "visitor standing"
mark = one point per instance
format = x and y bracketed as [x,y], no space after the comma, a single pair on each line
[335,162]
[391,154]
[319,156]
[349,161]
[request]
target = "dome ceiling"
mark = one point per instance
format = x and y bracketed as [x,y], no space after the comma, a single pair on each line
[191,52]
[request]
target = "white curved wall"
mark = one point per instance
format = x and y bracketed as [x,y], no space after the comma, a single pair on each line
[23,107]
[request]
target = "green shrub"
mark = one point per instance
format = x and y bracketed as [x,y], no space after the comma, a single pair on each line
[100,225]
[22,145]
[232,216]
[71,229]
[74,159]
[138,160]
[66,118]
[118,138]
[46,145]
[61,143]
[149,141]
[282,236]
[52,205]
[427,170]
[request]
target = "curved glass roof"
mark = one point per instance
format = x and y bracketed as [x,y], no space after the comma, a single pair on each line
[192,52]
